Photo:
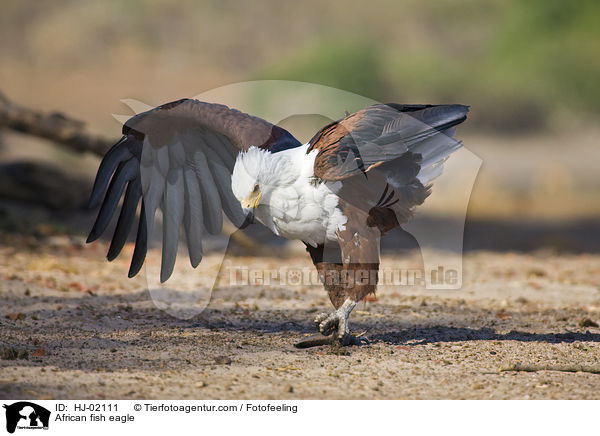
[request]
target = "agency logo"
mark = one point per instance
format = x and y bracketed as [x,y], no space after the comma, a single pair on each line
[26,415]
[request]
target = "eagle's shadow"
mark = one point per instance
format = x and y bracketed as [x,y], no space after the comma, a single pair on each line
[415,335]
[437,334]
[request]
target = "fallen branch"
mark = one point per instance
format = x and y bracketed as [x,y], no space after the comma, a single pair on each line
[52,126]
[562,368]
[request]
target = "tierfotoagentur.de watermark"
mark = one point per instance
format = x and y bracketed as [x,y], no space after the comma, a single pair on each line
[240,275]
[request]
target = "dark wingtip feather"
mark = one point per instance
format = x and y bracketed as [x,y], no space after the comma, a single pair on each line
[165,274]
[118,153]
[195,261]
[124,173]
[91,238]
[167,266]
[141,245]
[94,233]
[444,116]
[126,218]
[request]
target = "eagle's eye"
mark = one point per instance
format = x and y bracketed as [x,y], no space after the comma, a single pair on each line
[256,188]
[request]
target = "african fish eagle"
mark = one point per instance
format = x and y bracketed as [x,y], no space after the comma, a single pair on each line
[355,180]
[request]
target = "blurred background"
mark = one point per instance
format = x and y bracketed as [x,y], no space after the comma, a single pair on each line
[529,71]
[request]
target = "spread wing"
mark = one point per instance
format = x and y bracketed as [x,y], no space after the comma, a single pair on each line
[384,132]
[178,157]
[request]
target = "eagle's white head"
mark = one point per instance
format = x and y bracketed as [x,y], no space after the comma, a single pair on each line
[257,172]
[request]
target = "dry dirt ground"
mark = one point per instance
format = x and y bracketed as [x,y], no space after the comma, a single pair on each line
[73,326]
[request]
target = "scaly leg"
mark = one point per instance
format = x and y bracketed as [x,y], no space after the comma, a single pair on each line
[336,322]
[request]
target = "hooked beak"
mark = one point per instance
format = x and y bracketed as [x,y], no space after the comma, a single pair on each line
[252,201]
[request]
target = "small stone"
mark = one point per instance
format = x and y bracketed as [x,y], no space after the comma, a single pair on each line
[586,322]
[40,352]
[536,272]
[222,360]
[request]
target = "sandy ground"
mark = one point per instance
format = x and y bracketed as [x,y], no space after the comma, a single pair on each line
[73,326]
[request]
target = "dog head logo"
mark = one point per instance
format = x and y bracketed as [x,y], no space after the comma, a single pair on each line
[26,415]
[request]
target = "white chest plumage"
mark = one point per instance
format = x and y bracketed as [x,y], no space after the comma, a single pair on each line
[303,211]
[293,205]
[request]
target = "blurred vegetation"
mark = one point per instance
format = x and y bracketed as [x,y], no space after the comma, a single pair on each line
[522,65]
[527,61]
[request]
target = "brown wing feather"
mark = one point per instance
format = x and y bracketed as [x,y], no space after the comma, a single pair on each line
[380,133]
[331,154]
[241,129]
